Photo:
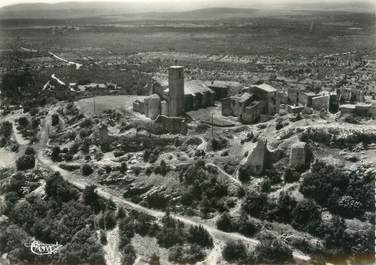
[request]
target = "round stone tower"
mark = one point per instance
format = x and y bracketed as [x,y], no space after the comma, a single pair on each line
[176,91]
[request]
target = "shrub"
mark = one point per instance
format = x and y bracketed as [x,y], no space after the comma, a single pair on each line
[255,204]
[103,237]
[23,121]
[55,155]
[29,151]
[306,216]
[86,123]
[6,129]
[25,162]
[290,175]
[86,170]
[272,252]
[224,223]
[186,254]
[234,252]
[121,213]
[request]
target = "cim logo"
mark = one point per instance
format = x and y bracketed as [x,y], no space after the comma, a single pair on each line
[39,248]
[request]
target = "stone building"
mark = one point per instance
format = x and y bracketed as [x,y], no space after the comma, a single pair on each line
[173,98]
[235,105]
[252,112]
[321,102]
[176,91]
[223,88]
[269,95]
[152,106]
[298,155]
[253,103]
[305,98]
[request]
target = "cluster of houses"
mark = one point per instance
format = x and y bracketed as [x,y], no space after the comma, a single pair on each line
[172,97]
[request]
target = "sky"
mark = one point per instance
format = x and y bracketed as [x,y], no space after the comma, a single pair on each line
[222,3]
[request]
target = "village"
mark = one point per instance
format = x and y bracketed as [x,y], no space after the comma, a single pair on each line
[171,155]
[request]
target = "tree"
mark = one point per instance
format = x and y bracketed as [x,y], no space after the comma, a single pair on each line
[234,252]
[91,198]
[58,188]
[224,223]
[55,154]
[246,226]
[83,248]
[255,204]
[6,129]
[12,240]
[306,216]
[121,213]
[123,167]
[23,121]
[86,170]
[13,84]
[17,181]
[25,162]
[199,236]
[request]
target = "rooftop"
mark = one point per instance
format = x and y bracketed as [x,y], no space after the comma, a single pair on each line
[266,87]
[222,84]
[246,96]
[193,87]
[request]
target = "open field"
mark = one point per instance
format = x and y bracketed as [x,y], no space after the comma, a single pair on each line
[103,103]
[312,33]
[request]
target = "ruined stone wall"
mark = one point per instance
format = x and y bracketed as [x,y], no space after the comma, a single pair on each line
[321,102]
[138,106]
[226,107]
[257,158]
[298,155]
[152,106]
[173,125]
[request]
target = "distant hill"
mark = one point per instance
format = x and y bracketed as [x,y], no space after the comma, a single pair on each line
[158,10]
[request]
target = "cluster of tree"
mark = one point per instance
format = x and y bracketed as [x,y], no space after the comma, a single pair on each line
[29,127]
[267,252]
[184,244]
[21,87]
[242,225]
[5,136]
[347,193]
[305,216]
[60,217]
[151,155]
[174,235]
[201,184]
[26,161]
[162,168]
[270,173]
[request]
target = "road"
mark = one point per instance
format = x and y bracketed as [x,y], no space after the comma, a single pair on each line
[230,177]
[78,66]
[107,193]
